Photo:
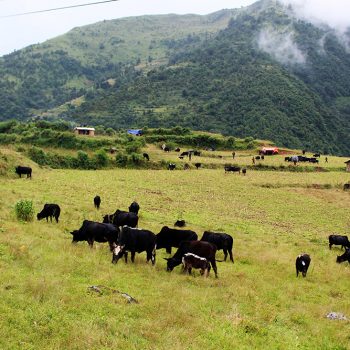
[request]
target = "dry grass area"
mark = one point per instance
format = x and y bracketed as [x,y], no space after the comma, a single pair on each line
[256,303]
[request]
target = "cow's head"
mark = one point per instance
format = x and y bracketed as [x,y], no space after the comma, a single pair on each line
[77,236]
[39,216]
[344,257]
[171,263]
[118,252]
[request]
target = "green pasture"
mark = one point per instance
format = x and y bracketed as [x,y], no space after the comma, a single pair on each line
[256,303]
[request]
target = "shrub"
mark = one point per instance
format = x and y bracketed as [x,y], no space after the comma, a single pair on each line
[24,210]
[101,158]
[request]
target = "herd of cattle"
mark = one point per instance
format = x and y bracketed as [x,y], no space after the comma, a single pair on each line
[120,231]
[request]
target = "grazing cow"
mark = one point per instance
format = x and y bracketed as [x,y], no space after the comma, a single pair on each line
[186,166]
[166,149]
[313,160]
[135,240]
[97,202]
[344,257]
[346,187]
[134,208]
[146,156]
[221,240]
[121,218]
[171,166]
[181,157]
[232,169]
[180,223]
[287,159]
[304,151]
[318,155]
[24,170]
[183,154]
[244,171]
[197,153]
[49,211]
[177,149]
[91,232]
[200,248]
[190,260]
[197,165]
[338,240]
[257,157]
[169,237]
[302,264]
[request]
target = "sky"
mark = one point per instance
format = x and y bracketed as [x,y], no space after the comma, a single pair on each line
[20,31]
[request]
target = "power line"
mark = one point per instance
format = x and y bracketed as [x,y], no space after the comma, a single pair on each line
[58,8]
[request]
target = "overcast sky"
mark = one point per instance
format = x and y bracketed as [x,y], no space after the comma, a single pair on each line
[20,31]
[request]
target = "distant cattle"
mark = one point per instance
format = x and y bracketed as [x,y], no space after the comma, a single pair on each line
[181,157]
[135,240]
[134,208]
[262,157]
[91,232]
[302,264]
[257,157]
[287,159]
[244,171]
[232,169]
[190,260]
[183,154]
[166,149]
[23,170]
[171,166]
[203,249]
[346,187]
[177,149]
[146,156]
[169,237]
[186,166]
[338,240]
[97,202]
[121,218]
[221,240]
[313,160]
[180,223]
[197,165]
[344,257]
[318,155]
[196,153]
[49,211]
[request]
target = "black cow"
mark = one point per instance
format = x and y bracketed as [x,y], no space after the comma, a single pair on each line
[166,149]
[197,153]
[135,240]
[302,264]
[146,156]
[24,170]
[186,166]
[230,168]
[170,237]
[49,211]
[190,260]
[91,232]
[183,154]
[221,240]
[171,166]
[177,149]
[338,240]
[244,171]
[344,257]
[287,159]
[97,202]
[313,160]
[197,165]
[317,155]
[180,223]
[121,218]
[257,157]
[346,187]
[203,249]
[134,208]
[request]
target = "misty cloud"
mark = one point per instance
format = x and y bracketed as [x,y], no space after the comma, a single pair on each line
[335,13]
[281,46]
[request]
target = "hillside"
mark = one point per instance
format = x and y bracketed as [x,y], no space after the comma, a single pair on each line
[258,71]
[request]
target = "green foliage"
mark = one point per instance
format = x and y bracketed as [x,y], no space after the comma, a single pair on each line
[24,210]
[101,158]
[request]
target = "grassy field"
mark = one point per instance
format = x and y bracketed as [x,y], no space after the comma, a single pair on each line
[256,303]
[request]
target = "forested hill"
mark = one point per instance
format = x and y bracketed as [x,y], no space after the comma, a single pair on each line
[257,71]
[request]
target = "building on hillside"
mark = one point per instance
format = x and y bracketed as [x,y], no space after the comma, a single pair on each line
[269,151]
[347,166]
[82,130]
[135,132]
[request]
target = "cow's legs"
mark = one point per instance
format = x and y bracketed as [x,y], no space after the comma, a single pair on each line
[225,253]
[231,256]
[330,245]
[168,250]
[132,256]
[126,257]
[213,264]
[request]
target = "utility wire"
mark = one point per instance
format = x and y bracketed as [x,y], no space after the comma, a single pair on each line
[58,8]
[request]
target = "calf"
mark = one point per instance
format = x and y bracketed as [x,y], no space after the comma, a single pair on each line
[197,165]
[97,202]
[25,170]
[170,237]
[49,211]
[302,264]
[346,187]
[344,257]
[91,232]
[190,260]
[146,156]
[180,223]
[171,166]
[232,169]
[244,171]
[221,240]
[200,248]
[135,240]
[121,218]
[134,208]
[338,240]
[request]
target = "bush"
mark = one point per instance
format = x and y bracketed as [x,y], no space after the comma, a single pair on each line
[24,210]
[101,158]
